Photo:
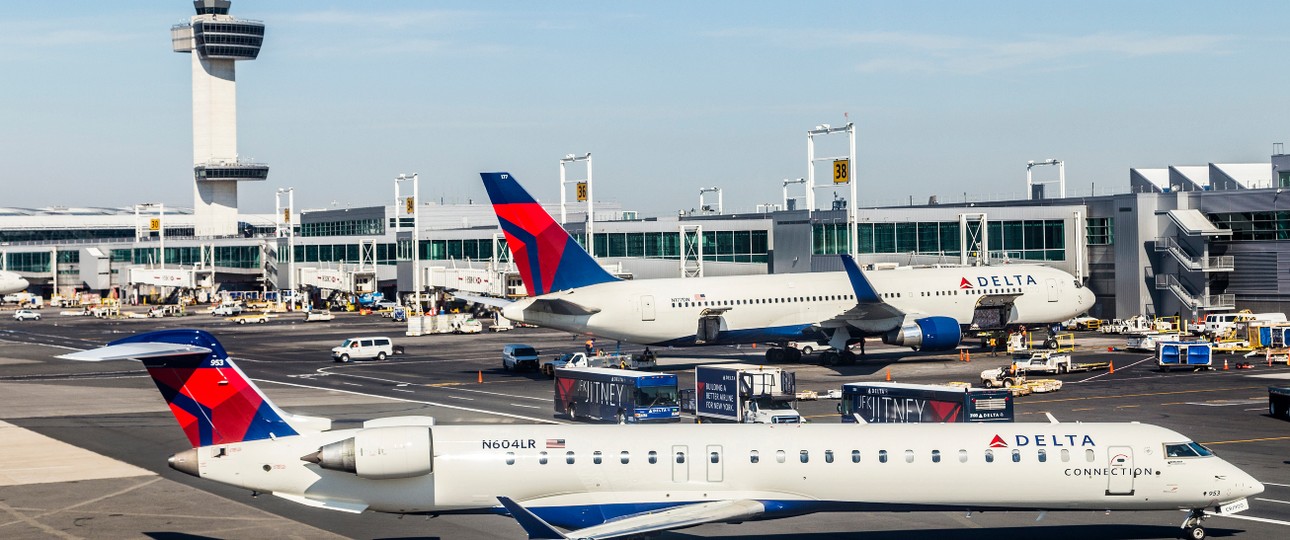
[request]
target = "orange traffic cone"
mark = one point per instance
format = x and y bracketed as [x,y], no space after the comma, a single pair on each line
[1110,367]
[1269,355]
[1224,364]
[889,374]
[967,356]
[480,377]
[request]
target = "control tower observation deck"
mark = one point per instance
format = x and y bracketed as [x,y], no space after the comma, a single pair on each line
[216,42]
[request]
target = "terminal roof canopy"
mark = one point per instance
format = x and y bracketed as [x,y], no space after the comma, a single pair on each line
[1192,221]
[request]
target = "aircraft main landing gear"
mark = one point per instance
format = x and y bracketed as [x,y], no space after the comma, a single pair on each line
[1191,526]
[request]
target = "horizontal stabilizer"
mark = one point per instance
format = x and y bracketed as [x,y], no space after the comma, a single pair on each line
[677,517]
[135,351]
[483,300]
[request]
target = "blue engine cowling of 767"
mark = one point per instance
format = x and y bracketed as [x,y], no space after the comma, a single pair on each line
[927,334]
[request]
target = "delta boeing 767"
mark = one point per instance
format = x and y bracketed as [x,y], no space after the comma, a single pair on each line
[923,308]
[607,481]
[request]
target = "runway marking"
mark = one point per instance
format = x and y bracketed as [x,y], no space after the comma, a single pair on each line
[525,406]
[1127,406]
[1083,409]
[401,390]
[423,402]
[1263,439]
[1149,394]
[1226,402]
[20,517]
[499,394]
[1275,484]
[463,398]
[1251,518]
[1108,372]
[1271,500]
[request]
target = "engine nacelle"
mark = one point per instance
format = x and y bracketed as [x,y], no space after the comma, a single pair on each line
[380,453]
[928,334]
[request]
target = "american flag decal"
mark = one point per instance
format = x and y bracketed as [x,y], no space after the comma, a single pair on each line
[555,443]
[700,296]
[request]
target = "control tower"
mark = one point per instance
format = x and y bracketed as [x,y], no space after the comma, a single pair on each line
[216,41]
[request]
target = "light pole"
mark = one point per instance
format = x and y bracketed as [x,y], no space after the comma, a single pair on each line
[717,190]
[410,207]
[284,227]
[798,181]
[589,195]
[843,173]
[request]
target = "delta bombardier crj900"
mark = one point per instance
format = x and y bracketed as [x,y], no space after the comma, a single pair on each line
[606,481]
[923,308]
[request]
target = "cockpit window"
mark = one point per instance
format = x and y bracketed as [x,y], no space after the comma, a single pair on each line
[1187,449]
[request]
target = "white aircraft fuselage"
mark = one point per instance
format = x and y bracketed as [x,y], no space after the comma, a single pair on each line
[782,307]
[579,475]
[11,283]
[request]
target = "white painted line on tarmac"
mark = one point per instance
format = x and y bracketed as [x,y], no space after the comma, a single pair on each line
[525,406]
[498,394]
[1108,372]
[1275,484]
[1271,500]
[1251,518]
[423,402]
[401,390]
[463,398]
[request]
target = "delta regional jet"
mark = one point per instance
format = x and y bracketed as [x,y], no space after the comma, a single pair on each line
[607,481]
[923,308]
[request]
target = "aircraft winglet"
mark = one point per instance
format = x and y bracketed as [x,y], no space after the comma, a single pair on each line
[859,283]
[536,528]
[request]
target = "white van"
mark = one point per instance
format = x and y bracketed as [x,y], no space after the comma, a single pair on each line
[363,348]
[519,356]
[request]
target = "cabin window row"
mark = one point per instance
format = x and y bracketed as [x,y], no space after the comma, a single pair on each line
[956,292]
[804,456]
[751,301]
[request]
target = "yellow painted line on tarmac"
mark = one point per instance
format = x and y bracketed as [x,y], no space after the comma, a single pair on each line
[1177,392]
[435,385]
[1237,441]
[1083,409]
[1127,406]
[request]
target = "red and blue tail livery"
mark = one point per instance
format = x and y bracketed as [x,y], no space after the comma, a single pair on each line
[214,402]
[548,258]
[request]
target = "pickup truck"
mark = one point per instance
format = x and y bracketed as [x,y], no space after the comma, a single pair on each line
[319,315]
[1038,362]
[581,360]
[250,318]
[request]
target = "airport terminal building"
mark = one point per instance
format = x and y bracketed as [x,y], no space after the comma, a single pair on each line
[1185,240]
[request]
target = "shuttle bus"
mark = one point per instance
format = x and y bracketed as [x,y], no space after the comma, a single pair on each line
[617,395]
[884,402]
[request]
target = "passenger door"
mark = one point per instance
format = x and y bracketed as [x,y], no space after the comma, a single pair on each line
[1053,294]
[647,308]
[1120,467]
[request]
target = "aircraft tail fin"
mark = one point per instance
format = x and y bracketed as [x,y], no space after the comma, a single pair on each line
[213,400]
[548,258]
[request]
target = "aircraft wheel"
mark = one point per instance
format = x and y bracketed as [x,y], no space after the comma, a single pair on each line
[848,358]
[774,355]
[1050,344]
[792,356]
[829,358]
[1196,533]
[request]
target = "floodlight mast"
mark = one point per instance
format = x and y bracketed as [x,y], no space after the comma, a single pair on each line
[717,190]
[564,182]
[1061,177]
[412,206]
[822,130]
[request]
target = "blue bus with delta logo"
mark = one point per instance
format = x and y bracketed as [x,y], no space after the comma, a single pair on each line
[616,395]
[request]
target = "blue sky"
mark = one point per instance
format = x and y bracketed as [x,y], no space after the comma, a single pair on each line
[948,97]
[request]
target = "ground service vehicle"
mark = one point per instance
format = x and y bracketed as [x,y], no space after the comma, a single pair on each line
[745,393]
[1279,402]
[519,356]
[884,402]
[1184,355]
[623,397]
[26,315]
[228,310]
[363,348]
[1042,362]
[319,315]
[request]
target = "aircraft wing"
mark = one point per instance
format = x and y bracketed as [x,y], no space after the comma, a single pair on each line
[870,313]
[677,517]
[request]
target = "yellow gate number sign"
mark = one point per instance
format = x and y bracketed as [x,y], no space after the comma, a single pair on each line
[412,205]
[286,215]
[841,171]
[154,224]
[582,191]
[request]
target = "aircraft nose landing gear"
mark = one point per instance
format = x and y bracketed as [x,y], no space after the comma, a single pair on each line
[1191,526]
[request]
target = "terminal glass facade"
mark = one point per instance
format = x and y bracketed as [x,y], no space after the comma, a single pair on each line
[354,227]
[1018,239]
[1100,231]
[1255,225]
[27,262]
[720,246]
